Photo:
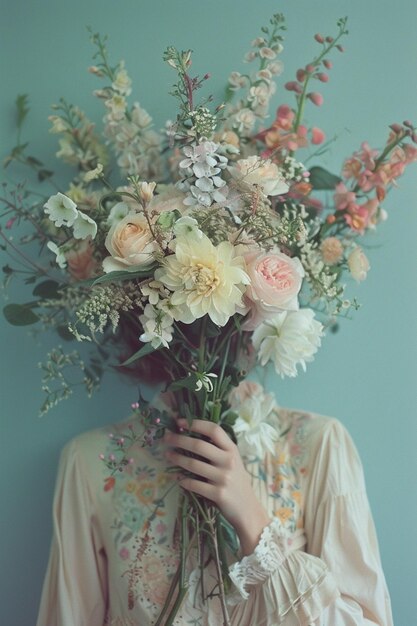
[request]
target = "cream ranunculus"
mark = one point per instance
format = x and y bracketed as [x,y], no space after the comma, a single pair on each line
[130,243]
[358,264]
[275,281]
[205,279]
[257,171]
[289,339]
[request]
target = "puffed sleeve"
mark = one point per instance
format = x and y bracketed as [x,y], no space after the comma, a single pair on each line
[337,580]
[75,586]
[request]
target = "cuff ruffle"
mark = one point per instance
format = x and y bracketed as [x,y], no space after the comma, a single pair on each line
[282,578]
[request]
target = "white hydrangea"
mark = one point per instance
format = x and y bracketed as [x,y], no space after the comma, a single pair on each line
[201,168]
[289,339]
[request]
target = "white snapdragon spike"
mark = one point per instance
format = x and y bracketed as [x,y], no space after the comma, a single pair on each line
[206,279]
[59,252]
[157,326]
[257,425]
[93,174]
[84,226]
[117,213]
[122,83]
[62,211]
[289,339]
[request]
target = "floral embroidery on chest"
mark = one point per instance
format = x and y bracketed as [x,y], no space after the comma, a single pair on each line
[283,473]
[143,521]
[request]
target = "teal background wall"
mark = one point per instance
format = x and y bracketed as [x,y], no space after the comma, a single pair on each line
[365,375]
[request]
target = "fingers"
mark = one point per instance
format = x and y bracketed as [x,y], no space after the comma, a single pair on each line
[207,490]
[200,468]
[204,449]
[209,429]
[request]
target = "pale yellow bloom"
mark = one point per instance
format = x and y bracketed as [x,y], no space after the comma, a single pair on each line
[205,279]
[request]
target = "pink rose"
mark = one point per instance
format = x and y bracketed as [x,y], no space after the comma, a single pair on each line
[275,280]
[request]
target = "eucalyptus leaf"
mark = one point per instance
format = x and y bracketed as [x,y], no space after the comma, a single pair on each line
[322,179]
[19,315]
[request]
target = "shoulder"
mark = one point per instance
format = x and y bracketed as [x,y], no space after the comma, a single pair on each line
[326,450]
[85,448]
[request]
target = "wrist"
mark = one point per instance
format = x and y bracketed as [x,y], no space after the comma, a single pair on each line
[250,529]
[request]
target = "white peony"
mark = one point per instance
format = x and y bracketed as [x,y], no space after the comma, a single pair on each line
[289,339]
[206,279]
[257,171]
[256,428]
[62,211]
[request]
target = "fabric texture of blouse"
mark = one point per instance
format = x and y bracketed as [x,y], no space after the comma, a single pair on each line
[115,546]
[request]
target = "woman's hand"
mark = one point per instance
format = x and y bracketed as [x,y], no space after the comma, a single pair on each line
[220,476]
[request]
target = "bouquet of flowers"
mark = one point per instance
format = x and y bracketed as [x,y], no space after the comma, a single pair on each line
[213,247]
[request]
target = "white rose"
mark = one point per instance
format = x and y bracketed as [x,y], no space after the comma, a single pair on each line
[257,171]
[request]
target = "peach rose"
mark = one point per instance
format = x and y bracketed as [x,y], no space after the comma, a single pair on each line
[130,243]
[358,264]
[257,171]
[275,280]
[81,262]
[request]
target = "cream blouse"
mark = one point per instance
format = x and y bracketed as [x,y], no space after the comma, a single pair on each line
[115,549]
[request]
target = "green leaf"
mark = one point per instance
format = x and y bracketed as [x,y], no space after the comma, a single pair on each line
[145,349]
[322,179]
[123,275]
[19,315]
[7,269]
[22,108]
[44,174]
[184,383]
[33,161]
[47,289]
[212,330]
[167,219]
